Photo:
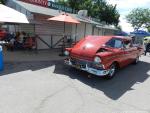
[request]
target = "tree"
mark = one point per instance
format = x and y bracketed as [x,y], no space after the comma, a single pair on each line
[98,9]
[2,1]
[74,4]
[148,29]
[106,12]
[119,28]
[139,18]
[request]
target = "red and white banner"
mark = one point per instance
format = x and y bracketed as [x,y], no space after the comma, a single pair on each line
[37,2]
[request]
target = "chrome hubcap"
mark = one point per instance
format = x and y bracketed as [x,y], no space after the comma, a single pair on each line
[137,59]
[112,70]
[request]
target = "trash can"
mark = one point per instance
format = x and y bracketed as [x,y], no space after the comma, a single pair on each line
[1,58]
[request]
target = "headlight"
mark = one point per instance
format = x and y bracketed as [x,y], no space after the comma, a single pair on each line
[97,60]
[66,53]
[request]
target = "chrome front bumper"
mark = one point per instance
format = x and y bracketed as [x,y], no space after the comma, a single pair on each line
[88,69]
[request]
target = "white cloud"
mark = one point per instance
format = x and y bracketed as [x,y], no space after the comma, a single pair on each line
[125,6]
[125,26]
[130,4]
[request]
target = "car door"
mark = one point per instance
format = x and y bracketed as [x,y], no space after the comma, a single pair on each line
[130,51]
[119,52]
[122,53]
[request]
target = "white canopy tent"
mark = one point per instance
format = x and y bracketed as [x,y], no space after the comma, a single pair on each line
[10,15]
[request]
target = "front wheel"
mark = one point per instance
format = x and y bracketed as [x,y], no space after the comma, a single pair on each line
[112,71]
[136,60]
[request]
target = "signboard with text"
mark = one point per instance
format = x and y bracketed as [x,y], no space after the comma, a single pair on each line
[37,2]
[61,7]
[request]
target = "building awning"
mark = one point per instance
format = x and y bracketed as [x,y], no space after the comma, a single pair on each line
[37,9]
[52,12]
[106,27]
[49,12]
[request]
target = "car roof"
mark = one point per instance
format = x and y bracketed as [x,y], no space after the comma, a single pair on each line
[122,37]
[113,36]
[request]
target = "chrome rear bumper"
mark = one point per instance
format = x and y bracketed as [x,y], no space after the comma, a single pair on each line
[93,71]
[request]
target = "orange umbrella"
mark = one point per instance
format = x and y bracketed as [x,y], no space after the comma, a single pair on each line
[64,18]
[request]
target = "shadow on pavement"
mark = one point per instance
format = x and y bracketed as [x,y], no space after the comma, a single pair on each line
[116,87]
[14,67]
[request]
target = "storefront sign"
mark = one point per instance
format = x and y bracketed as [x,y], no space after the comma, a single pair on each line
[37,2]
[57,6]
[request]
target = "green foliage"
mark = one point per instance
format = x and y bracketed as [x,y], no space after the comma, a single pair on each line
[98,9]
[139,18]
[106,12]
[75,4]
[119,28]
[2,1]
[148,29]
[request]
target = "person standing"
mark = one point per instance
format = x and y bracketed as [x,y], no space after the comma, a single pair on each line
[146,45]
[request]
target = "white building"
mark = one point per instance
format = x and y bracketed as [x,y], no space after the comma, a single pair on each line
[50,32]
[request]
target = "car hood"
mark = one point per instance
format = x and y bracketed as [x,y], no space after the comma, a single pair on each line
[88,47]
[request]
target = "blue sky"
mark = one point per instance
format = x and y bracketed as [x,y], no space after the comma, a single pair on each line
[125,6]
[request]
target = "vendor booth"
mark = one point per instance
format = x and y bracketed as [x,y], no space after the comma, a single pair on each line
[9,15]
[49,33]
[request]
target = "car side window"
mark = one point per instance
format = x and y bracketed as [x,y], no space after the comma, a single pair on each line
[115,43]
[118,44]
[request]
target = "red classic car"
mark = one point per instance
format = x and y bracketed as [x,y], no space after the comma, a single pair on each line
[102,55]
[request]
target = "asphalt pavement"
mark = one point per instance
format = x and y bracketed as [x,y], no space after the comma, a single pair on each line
[52,87]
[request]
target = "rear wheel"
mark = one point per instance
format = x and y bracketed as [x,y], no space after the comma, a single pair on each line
[112,71]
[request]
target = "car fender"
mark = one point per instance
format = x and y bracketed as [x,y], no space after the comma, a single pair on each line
[107,58]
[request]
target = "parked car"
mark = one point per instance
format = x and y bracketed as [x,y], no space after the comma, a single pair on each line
[2,34]
[102,55]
